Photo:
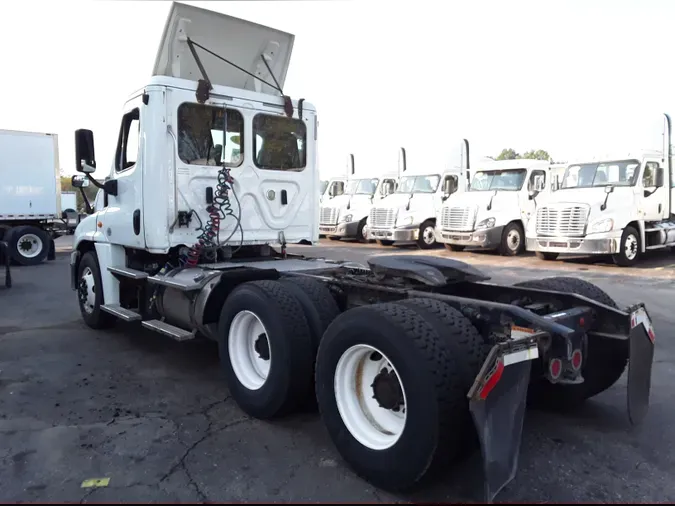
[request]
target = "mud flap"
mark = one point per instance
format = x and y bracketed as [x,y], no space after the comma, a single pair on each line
[6,259]
[641,358]
[497,404]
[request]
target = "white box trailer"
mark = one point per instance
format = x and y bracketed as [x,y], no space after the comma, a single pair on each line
[30,194]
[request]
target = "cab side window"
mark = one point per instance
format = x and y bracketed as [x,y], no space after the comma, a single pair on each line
[128,141]
[649,175]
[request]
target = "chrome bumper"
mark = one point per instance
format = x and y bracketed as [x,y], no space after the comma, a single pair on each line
[483,238]
[603,245]
[340,230]
[393,234]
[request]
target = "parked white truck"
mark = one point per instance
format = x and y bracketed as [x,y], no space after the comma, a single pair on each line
[30,194]
[344,216]
[494,211]
[409,213]
[409,358]
[620,206]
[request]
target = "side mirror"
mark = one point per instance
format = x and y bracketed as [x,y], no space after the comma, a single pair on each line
[539,183]
[79,181]
[449,187]
[660,177]
[85,159]
[609,189]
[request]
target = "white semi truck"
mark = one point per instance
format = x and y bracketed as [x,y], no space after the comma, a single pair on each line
[620,206]
[345,215]
[409,213]
[408,357]
[30,195]
[495,209]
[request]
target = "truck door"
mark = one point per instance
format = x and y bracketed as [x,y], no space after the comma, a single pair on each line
[653,199]
[123,218]
[528,205]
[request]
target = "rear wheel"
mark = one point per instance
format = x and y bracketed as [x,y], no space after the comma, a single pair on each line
[28,245]
[266,349]
[605,359]
[390,391]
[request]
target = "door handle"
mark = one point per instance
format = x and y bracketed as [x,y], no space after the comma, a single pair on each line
[284,197]
[137,221]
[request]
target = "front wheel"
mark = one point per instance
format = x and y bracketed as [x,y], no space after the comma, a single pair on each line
[543,255]
[454,247]
[427,236]
[513,240]
[90,293]
[630,248]
[390,394]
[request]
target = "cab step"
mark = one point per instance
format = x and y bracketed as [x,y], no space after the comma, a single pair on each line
[169,330]
[122,313]
[128,273]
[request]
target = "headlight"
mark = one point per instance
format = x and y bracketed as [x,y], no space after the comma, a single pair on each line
[601,226]
[487,223]
[345,218]
[406,220]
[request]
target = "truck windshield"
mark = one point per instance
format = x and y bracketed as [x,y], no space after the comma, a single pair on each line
[361,187]
[510,180]
[419,184]
[588,175]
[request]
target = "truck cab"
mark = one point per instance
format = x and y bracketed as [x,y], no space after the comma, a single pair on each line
[494,211]
[345,215]
[615,205]
[408,214]
[209,158]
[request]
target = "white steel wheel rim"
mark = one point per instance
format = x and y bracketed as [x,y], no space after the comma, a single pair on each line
[428,235]
[250,363]
[513,240]
[631,247]
[35,245]
[89,301]
[374,427]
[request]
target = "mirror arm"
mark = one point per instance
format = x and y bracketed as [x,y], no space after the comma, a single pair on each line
[93,181]
[87,205]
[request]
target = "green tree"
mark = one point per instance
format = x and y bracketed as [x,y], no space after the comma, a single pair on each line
[539,154]
[507,154]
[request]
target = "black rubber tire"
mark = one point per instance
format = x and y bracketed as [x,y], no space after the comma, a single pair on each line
[420,240]
[13,240]
[359,231]
[289,381]
[454,247]
[543,255]
[334,238]
[467,346]
[382,242]
[431,379]
[97,319]
[605,359]
[620,258]
[504,248]
[318,304]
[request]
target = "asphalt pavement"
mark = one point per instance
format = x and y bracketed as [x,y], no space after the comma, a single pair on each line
[153,418]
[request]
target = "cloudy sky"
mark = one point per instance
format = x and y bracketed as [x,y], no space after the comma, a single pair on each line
[574,77]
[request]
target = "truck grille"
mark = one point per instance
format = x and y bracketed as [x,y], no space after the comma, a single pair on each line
[329,216]
[563,221]
[382,218]
[458,218]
